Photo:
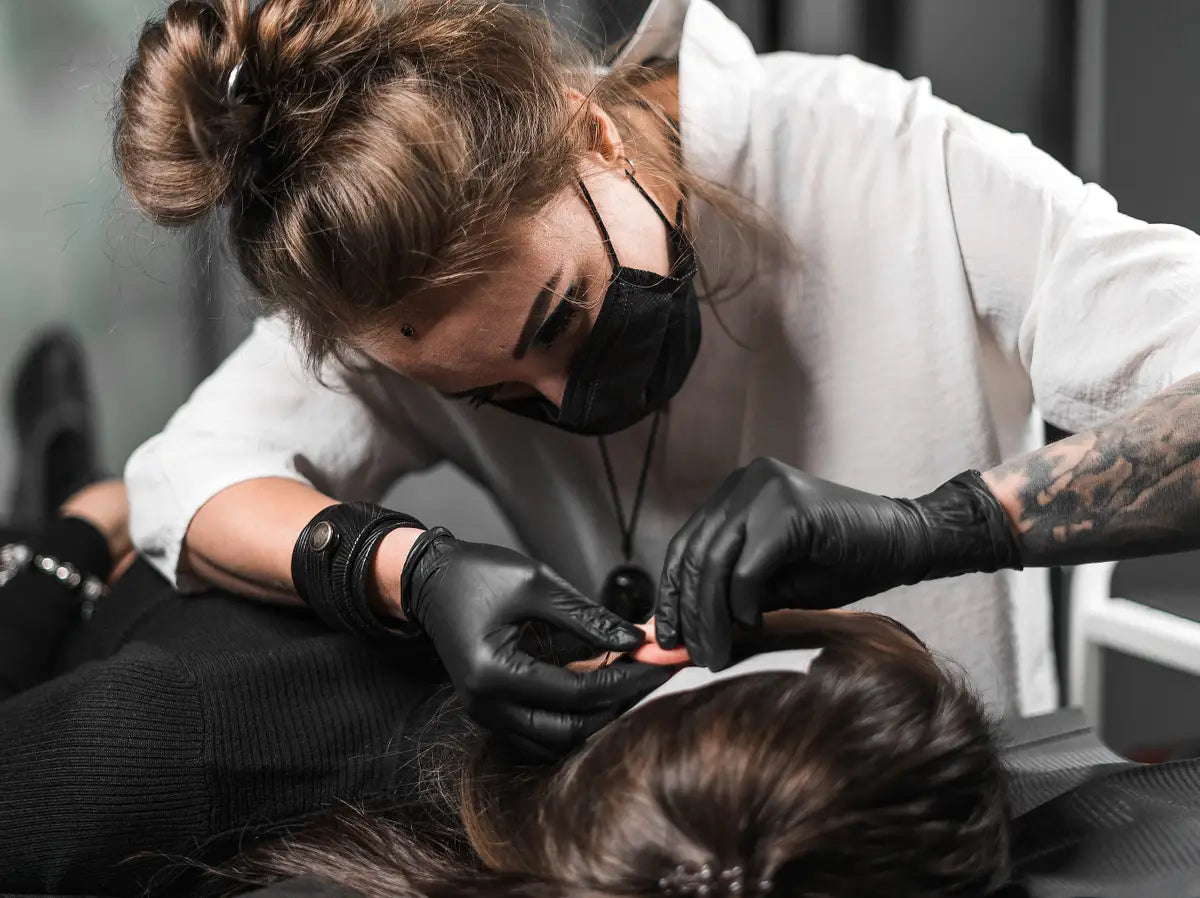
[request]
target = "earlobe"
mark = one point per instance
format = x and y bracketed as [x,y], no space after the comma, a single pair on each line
[603,135]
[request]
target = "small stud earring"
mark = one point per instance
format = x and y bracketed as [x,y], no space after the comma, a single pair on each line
[408,331]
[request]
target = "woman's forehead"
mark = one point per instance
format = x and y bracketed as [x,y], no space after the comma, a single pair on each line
[465,329]
[468,325]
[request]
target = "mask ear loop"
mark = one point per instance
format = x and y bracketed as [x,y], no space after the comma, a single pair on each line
[630,171]
[612,253]
[680,243]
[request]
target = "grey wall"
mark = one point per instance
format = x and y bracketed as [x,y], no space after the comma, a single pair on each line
[70,249]
[1149,136]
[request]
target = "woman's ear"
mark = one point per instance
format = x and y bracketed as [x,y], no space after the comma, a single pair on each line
[604,138]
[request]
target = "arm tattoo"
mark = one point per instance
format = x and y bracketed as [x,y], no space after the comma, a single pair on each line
[1128,488]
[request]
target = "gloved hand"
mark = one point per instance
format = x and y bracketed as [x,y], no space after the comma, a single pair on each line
[773,537]
[473,601]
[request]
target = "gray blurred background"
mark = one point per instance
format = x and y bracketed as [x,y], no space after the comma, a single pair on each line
[1107,86]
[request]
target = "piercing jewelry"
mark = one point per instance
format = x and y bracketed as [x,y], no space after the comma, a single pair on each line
[408,331]
[630,166]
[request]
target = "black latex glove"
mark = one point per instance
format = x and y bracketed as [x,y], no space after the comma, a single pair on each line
[773,537]
[474,600]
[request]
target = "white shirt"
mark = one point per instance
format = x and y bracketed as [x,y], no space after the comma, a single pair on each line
[952,276]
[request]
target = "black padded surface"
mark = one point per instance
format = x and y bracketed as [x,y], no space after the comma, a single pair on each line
[1092,825]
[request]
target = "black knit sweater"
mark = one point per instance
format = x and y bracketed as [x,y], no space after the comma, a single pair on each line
[172,727]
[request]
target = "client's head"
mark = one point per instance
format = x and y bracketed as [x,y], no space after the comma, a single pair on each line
[874,774]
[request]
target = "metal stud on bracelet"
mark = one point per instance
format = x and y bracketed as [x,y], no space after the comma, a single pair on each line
[323,537]
[15,557]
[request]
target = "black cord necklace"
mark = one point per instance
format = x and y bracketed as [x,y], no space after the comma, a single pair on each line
[628,590]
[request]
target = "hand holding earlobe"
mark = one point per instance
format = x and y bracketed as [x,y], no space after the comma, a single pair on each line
[774,537]
[653,653]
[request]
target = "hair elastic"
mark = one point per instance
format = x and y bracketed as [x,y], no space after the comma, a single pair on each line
[688,880]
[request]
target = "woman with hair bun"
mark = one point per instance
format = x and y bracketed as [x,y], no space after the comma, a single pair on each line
[739,300]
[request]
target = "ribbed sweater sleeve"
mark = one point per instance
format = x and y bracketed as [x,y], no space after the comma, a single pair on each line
[300,729]
[36,612]
[96,767]
[208,722]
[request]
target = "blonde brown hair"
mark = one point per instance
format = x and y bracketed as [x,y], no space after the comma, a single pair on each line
[876,773]
[375,150]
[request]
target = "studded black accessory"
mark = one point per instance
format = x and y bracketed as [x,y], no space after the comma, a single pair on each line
[704,881]
[16,557]
[331,567]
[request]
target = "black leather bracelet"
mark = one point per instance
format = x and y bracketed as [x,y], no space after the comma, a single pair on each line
[422,544]
[331,567]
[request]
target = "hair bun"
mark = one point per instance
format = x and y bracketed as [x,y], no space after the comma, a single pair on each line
[182,135]
[178,141]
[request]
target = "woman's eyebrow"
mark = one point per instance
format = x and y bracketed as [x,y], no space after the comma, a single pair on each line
[537,312]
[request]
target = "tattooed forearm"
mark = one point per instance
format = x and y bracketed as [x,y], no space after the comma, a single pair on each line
[1128,488]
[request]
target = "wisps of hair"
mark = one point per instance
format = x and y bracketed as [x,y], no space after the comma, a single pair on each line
[380,151]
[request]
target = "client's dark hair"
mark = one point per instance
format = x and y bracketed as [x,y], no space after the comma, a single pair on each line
[873,775]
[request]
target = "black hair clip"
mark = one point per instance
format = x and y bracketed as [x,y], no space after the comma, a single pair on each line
[238,89]
[236,86]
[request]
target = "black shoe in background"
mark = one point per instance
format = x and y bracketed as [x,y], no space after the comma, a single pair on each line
[54,426]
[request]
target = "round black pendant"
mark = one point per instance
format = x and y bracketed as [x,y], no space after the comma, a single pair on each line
[629,592]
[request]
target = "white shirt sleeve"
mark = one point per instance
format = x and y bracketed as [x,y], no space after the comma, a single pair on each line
[262,414]
[1102,310]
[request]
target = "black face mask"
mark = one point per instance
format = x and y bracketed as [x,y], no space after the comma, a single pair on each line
[641,347]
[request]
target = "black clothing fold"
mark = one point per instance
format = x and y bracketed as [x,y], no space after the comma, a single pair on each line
[172,729]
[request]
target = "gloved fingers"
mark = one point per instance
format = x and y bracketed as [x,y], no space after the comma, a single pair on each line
[567,608]
[765,550]
[543,733]
[666,610]
[673,584]
[535,683]
[670,588]
[548,643]
[621,684]
[526,751]
[687,563]
[809,586]
[708,632]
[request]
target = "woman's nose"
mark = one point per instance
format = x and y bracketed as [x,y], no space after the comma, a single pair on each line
[552,387]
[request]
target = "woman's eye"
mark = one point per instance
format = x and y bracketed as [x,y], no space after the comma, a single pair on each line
[554,325]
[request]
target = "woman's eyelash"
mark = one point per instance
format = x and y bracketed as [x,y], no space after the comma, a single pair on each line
[481,396]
